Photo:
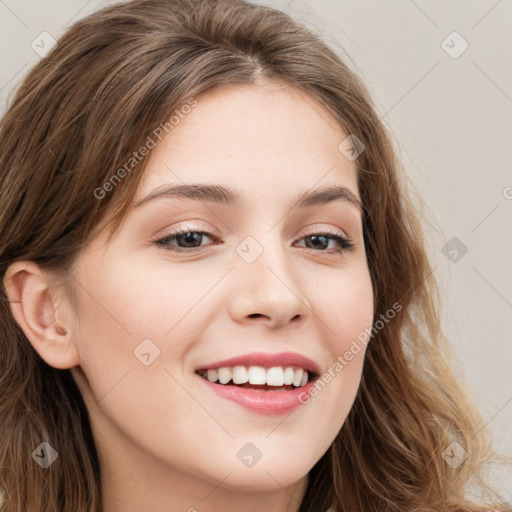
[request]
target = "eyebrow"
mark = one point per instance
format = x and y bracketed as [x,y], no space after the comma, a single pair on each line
[226,196]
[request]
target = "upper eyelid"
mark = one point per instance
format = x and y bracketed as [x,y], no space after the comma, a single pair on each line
[213,233]
[337,232]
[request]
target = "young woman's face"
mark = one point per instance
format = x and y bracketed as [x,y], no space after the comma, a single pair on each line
[265,279]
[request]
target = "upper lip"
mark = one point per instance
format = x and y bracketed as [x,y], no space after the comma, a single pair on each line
[266,360]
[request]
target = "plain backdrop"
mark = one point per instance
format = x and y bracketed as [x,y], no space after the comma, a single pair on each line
[440,73]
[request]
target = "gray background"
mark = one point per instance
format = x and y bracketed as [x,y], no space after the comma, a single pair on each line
[451,116]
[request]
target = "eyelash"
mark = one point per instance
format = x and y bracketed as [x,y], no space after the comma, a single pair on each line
[345,242]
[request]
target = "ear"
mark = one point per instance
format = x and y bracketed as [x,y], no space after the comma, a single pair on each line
[40,310]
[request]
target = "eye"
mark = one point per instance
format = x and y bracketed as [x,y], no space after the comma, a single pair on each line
[321,240]
[189,240]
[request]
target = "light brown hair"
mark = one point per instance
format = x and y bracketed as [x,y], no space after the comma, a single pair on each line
[81,112]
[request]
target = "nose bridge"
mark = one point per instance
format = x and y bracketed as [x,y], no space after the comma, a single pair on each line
[267,283]
[264,257]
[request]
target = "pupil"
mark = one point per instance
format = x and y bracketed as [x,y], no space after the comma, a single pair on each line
[190,238]
[314,238]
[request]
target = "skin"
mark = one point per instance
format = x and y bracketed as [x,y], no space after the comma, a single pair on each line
[165,441]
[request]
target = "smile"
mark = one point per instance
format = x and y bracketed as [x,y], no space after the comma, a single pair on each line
[277,376]
[265,387]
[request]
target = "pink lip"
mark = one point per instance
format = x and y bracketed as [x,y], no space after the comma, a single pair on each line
[263,402]
[266,361]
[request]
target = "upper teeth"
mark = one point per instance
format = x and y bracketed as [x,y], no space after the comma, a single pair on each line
[275,376]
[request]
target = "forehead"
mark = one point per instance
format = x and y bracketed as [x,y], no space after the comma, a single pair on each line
[247,137]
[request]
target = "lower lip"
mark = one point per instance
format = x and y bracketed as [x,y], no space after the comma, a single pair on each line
[264,402]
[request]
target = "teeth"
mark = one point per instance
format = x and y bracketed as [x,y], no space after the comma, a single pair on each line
[288,376]
[257,375]
[212,375]
[276,376]
[225,375]
[297,379]
[240,375]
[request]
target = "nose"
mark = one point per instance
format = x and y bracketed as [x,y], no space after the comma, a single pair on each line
[268,290]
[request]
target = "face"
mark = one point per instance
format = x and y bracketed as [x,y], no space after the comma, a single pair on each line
[261,282]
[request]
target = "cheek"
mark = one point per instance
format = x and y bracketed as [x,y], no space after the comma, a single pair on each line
[130,302]
[133,369]
[344,303]
[123,317]
[344,307]
[137,328]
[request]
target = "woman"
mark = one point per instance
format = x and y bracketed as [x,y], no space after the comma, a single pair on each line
[292,362]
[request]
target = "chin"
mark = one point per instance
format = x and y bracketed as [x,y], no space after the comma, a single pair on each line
[267,476]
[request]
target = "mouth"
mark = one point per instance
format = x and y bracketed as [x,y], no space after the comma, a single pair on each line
[264,383]
[275,378]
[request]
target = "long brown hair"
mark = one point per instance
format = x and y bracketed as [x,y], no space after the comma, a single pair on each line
[80,115]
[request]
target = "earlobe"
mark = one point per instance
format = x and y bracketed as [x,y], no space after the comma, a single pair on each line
[36,306]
